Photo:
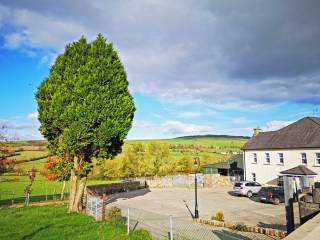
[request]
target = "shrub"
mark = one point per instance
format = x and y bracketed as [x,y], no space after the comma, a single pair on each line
[219,216]
[241,227]
[142,234]
[114,214]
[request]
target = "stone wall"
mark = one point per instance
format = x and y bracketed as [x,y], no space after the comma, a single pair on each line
[211,180]
[186,181]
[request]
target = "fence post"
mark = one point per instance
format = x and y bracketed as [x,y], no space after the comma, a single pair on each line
[54,194]
[46,194]
[128,221]
[96,210]
[171,228]
[12,200]
[104,197]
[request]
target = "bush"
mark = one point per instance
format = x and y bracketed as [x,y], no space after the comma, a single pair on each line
[114,214]
[219,216]
[241,227]
[141,234]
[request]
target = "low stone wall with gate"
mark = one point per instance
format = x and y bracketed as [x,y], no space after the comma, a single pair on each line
[186,181]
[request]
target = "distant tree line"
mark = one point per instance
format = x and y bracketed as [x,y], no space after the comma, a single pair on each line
[153,159]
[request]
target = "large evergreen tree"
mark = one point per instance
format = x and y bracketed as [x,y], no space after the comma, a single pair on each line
[85,108]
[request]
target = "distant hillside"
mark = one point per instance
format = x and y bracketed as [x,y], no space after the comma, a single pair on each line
[212,136]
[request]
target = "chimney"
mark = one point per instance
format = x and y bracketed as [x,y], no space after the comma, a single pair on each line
[256,131]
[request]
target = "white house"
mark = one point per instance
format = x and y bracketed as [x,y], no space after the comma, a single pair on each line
[266,154]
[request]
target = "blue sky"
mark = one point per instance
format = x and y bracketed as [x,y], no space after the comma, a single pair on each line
[209,67]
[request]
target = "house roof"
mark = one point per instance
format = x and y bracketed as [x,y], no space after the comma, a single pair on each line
[299,170]
[224,165]
[304,133]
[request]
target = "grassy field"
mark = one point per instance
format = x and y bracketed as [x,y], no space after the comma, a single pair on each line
[53,222]
[213,148]
[26,155]
[12,186]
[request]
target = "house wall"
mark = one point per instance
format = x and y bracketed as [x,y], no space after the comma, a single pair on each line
[266,173]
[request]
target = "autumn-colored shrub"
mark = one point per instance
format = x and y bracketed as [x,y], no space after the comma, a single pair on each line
[219,216]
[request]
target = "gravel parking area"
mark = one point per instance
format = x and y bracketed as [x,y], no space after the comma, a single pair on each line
[179,202]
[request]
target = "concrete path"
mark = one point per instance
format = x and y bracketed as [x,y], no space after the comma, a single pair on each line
[151,210]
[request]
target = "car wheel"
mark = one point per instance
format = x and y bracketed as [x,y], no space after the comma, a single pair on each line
[276,201]
[249,194]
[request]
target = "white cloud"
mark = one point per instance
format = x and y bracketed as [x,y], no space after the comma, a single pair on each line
[206,51]
[176,127]
[13,40]
[239,120]
[276,125]
[22,128]
[33,116]
[190,114]
[142,125]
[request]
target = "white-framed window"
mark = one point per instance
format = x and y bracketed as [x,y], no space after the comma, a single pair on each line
[304,158]
[267,160]
[281,159]
[317,159]
[254,177]
[255,158]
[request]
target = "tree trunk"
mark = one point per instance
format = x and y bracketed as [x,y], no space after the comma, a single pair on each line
[73,190]
[63,188]
[77,205]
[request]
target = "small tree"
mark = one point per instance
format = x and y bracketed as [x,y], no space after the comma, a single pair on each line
[28,188]
[58,169]
[85,108]
[159,154]
[6,164]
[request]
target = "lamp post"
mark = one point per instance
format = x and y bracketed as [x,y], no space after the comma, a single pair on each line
[196,162]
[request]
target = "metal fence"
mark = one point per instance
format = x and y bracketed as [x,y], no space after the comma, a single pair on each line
[94,207]
[179,228]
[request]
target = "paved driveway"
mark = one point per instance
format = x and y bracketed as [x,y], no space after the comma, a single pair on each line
[179,202]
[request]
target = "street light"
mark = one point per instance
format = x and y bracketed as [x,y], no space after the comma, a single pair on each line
[196,162]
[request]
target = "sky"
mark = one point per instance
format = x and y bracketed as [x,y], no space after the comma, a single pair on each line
[194,67]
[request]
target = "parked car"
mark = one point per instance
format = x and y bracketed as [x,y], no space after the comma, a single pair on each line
[273,195]
[246,188]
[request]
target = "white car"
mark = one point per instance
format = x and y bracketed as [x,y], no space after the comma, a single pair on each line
[246,188]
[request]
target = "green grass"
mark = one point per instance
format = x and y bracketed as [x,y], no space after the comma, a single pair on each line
[53,222]
[26,155]
[17,184]
[12,187]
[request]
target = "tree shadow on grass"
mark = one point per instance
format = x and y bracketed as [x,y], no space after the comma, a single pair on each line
[32,234]
[226,235]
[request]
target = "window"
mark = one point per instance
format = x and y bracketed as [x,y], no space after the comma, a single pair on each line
[280,181]
[254,177]
[255,158]
[304,158]
[281,158]
[317,158]
[267,158]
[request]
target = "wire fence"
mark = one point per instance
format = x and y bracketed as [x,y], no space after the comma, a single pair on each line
[179,228]
[11,197]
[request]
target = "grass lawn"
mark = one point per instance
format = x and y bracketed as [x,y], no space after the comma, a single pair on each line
[53,222]
[26,155]
[13,186]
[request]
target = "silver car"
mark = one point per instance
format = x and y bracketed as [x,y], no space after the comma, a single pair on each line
[246,188]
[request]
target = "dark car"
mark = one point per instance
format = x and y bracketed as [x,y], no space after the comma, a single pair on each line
[273,195]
